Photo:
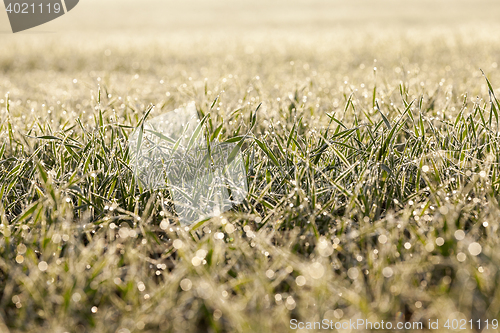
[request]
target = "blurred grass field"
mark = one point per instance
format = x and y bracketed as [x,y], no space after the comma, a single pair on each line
[373,165]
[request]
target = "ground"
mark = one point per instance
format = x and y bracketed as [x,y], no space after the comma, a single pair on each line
[370,138]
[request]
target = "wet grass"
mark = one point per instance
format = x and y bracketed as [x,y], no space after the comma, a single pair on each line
[373,188]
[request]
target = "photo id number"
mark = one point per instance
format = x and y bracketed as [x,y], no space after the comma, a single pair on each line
[26,8]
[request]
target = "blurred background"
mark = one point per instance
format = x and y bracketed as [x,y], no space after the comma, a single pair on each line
[166,18]
[174,41]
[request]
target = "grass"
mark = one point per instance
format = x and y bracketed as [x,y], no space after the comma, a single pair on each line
[373,193]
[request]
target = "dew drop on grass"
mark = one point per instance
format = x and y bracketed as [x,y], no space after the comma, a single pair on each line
[429,247]
[316,270]
[446,280]
[217,314]
[475,248]
[178,244]
[443,210]
[229,228]
[353,273]
[459,234]
[21,249]
[76,297]
[196,261]
[43,266]
[300,280]
[387,272]
[382,239]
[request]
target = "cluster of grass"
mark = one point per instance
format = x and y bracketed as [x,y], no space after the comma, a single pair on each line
[373,192]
